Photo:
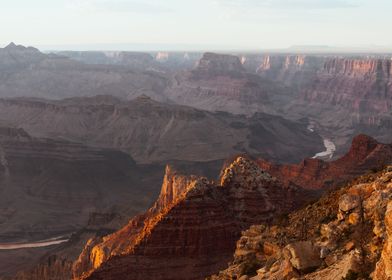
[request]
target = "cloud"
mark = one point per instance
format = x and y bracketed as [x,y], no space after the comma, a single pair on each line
[290,4]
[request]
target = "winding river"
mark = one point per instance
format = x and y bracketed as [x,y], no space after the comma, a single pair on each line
[36,244]
[330,149]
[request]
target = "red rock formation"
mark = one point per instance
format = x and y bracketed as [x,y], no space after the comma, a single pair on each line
[191,230]
[346,234]
[365,154]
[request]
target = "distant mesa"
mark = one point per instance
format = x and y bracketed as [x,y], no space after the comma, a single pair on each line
[213,64]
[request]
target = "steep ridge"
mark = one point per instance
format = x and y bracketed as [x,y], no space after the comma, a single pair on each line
[13,57]
[365,154]
[191,229]
[245,193]
[151,131]
[220,83]
[344,235]
[29,73]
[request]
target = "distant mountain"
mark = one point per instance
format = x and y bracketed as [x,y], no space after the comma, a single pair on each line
[29,73]
[156,61]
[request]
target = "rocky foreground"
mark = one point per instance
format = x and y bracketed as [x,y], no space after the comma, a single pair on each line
[345,235]
[191,231]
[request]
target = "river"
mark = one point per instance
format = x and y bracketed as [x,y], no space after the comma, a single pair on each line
[36,244]
[330,149]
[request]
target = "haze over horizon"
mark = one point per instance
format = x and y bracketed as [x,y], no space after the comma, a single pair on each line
[205,24]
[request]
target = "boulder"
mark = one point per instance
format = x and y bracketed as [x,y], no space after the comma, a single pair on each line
[348,202]
[348,264]
[303,255]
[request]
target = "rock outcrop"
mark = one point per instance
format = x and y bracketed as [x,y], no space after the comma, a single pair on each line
[365,154]
[192,228]
[384,265]
[361,85]
[322,240]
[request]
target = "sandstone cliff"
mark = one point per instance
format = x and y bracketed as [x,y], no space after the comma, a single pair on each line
[174,239]
[191,229]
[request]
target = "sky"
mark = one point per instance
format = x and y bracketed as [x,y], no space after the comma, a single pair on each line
[195,24]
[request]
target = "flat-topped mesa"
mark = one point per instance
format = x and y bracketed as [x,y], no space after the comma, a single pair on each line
[190,231]
[362,85]
[218,64]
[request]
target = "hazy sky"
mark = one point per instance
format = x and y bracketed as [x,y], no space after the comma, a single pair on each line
[231,24]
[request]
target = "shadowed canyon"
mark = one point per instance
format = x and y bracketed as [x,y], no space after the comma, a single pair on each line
[191,165]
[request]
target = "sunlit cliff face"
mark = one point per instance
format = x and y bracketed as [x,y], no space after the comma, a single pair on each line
[162,56]
[359,67]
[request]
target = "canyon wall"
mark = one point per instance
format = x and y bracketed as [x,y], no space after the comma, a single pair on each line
[152,131]
[191,229]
